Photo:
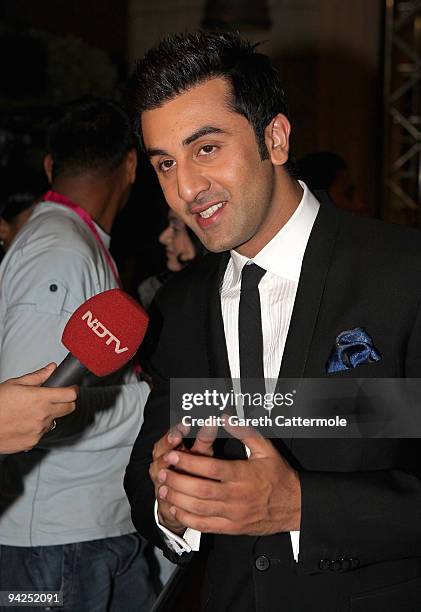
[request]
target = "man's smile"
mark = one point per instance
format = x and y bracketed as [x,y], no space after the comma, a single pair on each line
[206,217]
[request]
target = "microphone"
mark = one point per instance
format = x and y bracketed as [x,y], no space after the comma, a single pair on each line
[102,335]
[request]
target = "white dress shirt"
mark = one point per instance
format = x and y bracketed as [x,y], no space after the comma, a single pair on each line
[282,258]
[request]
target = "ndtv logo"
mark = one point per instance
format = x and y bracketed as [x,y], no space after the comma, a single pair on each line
[102,332]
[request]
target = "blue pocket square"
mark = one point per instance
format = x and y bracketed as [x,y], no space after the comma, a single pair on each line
[353,348]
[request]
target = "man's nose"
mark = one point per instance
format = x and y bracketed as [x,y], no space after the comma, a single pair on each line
[165,236]
[191,181]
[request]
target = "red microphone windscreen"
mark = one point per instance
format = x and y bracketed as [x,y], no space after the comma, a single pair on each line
[106,331]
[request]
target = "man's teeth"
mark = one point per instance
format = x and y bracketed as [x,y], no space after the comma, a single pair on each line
[210,211]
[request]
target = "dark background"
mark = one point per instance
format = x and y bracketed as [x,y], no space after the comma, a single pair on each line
[331,56]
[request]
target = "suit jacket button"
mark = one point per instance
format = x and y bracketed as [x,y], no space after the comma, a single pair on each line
[335,566]
[262,563]
[324,564]
[355,563]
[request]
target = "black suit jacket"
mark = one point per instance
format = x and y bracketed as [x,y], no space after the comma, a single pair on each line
[360,541]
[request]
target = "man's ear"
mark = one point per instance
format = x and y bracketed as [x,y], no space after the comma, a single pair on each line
[277,139]
[131,165]
[48,167]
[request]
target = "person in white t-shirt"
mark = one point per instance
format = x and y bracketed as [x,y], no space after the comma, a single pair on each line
[65,521]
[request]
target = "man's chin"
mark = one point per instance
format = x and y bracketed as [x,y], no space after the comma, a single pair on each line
[220,248]
[215,241]
[215,246]
[220,245]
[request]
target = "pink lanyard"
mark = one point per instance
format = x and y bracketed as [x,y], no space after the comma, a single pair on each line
[57,198]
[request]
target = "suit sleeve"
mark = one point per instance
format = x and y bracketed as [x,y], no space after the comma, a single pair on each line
[365,517]
[137,482]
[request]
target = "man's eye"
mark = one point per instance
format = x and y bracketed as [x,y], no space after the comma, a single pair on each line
[166,165]
[207,149]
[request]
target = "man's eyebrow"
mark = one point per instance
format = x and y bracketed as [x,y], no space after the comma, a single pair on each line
[203,131]
[155,152]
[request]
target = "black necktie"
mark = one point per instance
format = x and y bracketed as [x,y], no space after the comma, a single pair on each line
[250,336]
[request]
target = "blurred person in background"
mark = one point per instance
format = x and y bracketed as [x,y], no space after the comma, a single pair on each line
[14,213]
[181,248]
[178,241]
[64,517]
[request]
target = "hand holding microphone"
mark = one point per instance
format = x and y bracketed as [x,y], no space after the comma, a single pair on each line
[27,411]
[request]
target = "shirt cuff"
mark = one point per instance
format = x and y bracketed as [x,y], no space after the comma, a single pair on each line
[190,541]
[295,542]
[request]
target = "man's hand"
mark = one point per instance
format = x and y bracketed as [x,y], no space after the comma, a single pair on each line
[173,439]
[258,496]
[27,410]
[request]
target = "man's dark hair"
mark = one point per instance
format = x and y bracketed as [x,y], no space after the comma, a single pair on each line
[89,135]
[182,61]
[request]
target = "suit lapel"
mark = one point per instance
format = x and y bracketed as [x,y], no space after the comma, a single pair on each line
[310,290]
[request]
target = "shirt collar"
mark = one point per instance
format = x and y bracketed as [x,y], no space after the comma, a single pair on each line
[283,255]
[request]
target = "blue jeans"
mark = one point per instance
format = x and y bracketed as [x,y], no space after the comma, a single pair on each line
[108,575]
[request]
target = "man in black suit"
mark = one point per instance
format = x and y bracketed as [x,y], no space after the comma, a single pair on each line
[300,524]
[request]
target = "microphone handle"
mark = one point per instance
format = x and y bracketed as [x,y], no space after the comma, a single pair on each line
[69,372]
